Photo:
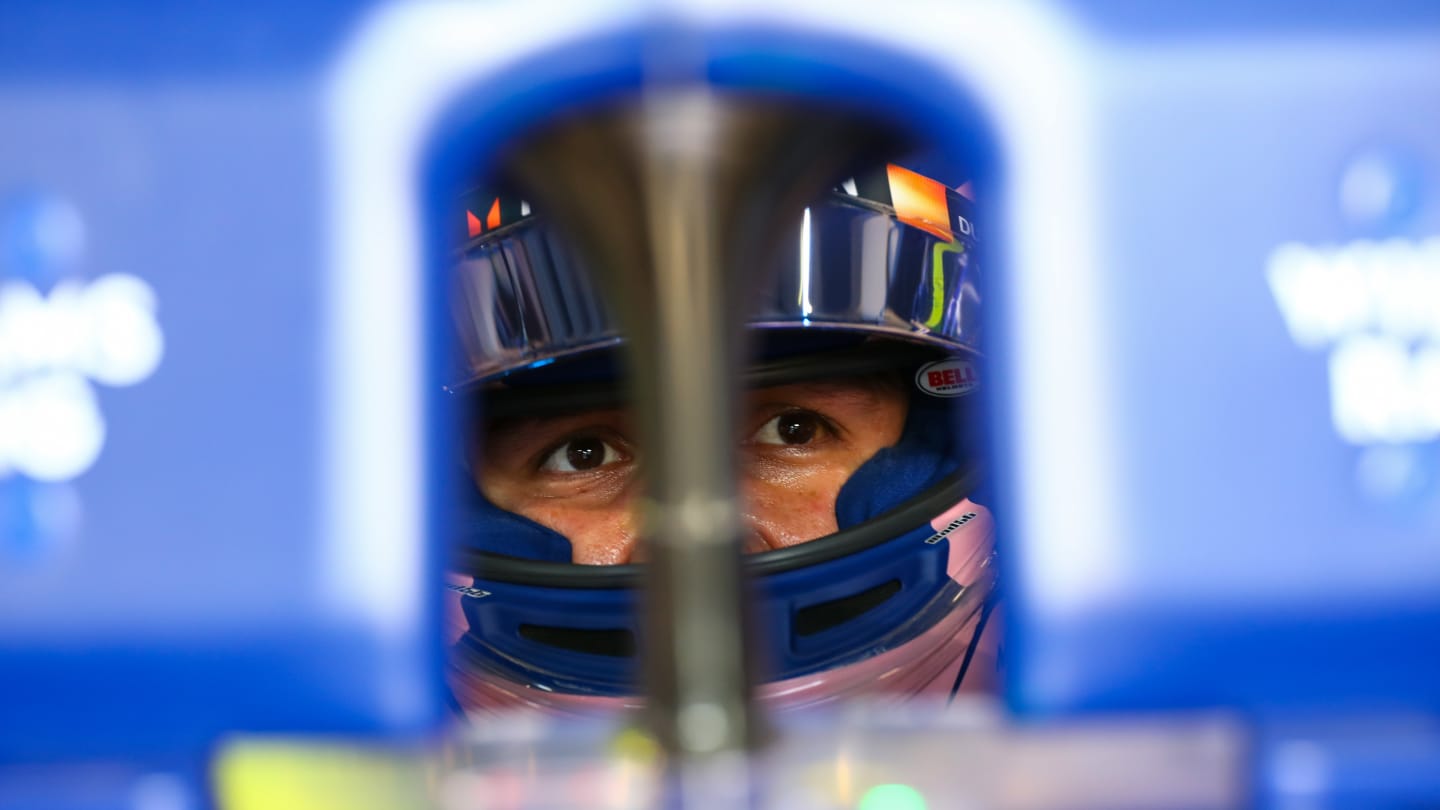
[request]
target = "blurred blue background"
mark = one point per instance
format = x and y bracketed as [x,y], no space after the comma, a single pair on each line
[1215,340]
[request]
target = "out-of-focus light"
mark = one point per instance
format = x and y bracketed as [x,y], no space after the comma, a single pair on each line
[1299,771]
[1367,189]
[1318,299]
[42,236]
[104,329]
[161,791]
[1382,392]
[892,797]
[634,744]
[1376,306]
[1387,474]
[37,520]
[258,774]
[1328,292]
[51,428]
[704,726]
[1379,188]
[125,343]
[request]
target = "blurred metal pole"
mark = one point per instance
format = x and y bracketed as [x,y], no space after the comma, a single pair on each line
[699,669]
[674,201]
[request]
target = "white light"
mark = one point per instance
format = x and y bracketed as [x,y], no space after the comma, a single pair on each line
[1371,303]
[1404,281]
[1326,293]
[805,307]
[125,341]
[22,328]
[50,423]
[1320,298]
[105,329]
[59,332]
[1381,393]
[703,726]
[1367,375]
[50,426]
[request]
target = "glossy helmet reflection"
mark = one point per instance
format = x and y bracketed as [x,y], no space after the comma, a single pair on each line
[882,278]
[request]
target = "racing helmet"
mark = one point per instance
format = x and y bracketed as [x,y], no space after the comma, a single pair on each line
[882,278]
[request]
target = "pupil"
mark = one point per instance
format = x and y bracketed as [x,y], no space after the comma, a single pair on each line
[585,454]
[796,428]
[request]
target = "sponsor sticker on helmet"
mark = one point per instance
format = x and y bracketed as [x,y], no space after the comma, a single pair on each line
[955,377]
[950,527]
[464,590]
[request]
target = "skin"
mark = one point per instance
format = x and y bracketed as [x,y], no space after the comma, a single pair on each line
[579,474]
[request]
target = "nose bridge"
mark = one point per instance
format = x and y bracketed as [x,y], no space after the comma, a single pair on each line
[758,530]
[757,534]
[605,537]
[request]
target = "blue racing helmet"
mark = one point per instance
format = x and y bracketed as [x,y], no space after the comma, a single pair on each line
[882,279]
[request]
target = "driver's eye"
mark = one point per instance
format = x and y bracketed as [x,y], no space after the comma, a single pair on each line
[580,455]
[791,427]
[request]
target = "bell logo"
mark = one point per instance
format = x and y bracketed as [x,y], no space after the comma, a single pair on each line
[947,378]
[52,347]
[1375,307]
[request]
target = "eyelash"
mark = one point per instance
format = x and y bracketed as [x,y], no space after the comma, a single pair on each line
[826,428]
[613,452]
[615,448]
[611,448]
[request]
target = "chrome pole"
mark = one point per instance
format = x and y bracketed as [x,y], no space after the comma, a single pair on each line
[675,201]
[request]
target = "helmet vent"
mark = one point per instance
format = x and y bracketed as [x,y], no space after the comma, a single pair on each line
[824,616]
[615,643]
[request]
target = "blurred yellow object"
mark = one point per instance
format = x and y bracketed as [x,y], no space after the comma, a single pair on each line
[291,775]
[634,745]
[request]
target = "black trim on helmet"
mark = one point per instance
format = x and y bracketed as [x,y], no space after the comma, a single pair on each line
[519,398]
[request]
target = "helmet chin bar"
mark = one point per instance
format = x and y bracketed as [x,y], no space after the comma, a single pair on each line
[674,202]
[915,512]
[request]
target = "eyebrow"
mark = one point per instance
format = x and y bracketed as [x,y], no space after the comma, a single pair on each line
[850,388]
[876,369]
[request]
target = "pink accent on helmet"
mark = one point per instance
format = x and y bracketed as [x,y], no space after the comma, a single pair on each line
[971,544]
